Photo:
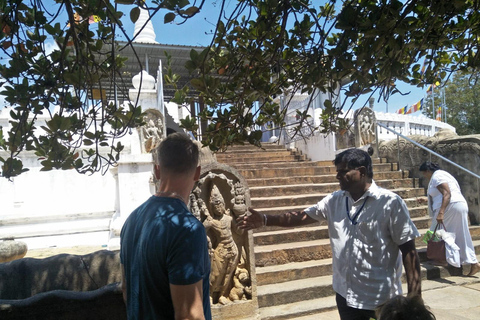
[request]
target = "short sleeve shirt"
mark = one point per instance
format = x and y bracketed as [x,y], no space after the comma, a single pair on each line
[162,243]
[365,235]
[439,177]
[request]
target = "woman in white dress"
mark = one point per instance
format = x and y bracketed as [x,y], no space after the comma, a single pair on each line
[450,207]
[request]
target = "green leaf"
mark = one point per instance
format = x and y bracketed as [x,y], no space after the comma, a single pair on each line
[191,11]
[169,17]
[183,3]
[134,14]
[125,1]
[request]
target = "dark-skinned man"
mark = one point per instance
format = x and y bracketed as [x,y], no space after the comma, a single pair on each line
[370,234]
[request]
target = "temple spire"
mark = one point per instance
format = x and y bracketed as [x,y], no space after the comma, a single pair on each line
[147,35]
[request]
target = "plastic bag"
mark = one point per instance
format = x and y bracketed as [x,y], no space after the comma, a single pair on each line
[452,251]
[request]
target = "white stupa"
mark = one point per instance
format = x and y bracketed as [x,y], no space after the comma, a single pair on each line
[147,34]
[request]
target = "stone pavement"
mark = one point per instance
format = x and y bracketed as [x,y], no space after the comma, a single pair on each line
[451,298]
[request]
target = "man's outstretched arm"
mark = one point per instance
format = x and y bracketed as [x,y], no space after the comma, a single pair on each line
[290,219]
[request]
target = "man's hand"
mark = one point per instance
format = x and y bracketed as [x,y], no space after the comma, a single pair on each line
[251,220]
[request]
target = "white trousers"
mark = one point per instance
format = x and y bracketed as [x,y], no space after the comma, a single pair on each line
[456,221]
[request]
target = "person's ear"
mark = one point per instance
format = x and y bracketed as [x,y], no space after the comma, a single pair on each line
[156,171]
[197,173]
[363,171]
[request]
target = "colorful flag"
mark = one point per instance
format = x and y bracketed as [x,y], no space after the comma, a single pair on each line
[430,89]
[417,106]
[402,110]
[424,66]
[94,19]
[439,114]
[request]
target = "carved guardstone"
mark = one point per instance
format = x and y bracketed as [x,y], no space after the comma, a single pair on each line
[220,196]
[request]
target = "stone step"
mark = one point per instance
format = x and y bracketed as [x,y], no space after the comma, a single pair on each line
[293,271]
[265,147]
[303,200]
[267,158]
[314,232]
[55,228]
[304,244]
[296,270]
[325,178]
[275,254]
[324,308]
[294,291]
[287,169]
[417,207]
[307,199]
[226,157]
[295,189]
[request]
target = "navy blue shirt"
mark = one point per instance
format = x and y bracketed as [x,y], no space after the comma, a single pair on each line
[162,243]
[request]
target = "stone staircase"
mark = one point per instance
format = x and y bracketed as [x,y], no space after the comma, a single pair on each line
[293,266]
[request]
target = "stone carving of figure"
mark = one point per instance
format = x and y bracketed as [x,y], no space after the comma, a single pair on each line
[224,259]
[152,131]
[365,124]
[242,289]
[239,206]
[194,208]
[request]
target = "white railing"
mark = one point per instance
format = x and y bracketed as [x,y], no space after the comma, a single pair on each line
[408,125]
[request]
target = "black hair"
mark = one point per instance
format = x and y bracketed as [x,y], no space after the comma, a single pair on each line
[429,166]
[355,158]
[178,154]
[404,308]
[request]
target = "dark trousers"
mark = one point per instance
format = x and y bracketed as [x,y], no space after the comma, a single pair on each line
[349,313]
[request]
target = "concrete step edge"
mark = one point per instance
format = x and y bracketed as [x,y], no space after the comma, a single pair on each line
[291,245]
[309,184]
[290,230]
[292,266]
[323,281]
[321,195]
[287,311]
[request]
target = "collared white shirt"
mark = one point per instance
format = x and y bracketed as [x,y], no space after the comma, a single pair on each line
[367,264]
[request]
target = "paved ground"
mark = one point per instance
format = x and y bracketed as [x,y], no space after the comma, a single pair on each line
[453,298]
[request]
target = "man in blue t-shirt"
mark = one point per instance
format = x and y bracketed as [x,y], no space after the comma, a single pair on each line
[164,250]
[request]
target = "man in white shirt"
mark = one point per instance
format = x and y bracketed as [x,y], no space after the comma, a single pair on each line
[369,226]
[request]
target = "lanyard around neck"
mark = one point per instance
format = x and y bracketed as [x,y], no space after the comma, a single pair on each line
[354,219]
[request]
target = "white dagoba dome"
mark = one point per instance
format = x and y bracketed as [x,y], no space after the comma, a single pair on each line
[147,35]
[143,80]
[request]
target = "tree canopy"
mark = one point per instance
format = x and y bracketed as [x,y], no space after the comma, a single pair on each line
[260,49]
[461,96]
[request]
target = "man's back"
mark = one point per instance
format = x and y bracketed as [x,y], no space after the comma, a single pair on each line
[162,243]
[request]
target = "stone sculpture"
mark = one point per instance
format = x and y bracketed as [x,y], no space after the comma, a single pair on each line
[12,250]
[224,256]
[365,122]
[151,134]
[217,201]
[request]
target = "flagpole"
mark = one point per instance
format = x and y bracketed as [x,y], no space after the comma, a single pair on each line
[434,117]
[444,106]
